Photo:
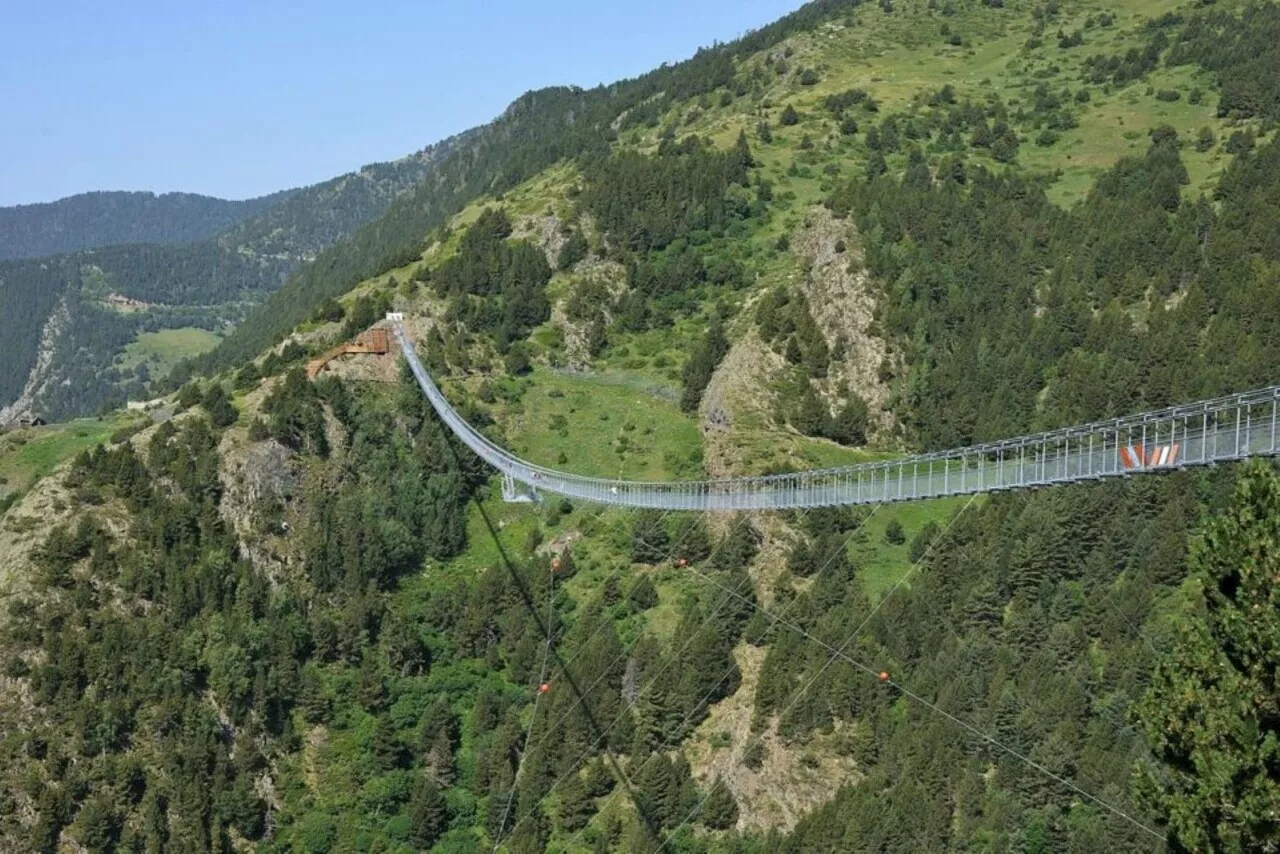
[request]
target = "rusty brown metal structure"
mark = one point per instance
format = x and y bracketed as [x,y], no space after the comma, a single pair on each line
[372,341]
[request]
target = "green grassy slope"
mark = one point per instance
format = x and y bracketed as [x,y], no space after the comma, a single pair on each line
[161,350]
[29,454]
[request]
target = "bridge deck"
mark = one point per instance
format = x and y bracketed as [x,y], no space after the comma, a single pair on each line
[1218,430]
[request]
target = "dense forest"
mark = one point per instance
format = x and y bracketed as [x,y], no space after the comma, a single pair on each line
[1000,294]
[91,220]
[201,285]
[28,292]
[297,618]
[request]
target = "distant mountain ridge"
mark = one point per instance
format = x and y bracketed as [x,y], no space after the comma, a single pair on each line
[108,218]
[207,267]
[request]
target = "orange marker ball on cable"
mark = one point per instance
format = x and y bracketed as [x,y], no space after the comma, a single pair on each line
[884,675]
[544,687]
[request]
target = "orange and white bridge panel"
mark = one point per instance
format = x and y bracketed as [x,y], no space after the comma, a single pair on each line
[1149,457]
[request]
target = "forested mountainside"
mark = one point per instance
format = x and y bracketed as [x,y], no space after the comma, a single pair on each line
[539,129]
[298,617]
[90,329]
[89,220]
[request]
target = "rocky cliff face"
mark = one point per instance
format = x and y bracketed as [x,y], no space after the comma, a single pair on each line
[51,337]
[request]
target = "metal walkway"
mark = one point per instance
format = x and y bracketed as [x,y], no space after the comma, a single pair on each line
[1210,431]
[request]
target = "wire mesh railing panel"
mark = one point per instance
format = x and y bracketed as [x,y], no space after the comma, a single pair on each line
[1217,430]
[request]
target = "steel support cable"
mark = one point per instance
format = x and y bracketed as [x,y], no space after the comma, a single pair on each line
[671,551]
[622,654]
[527,599]
[831,659]
[533,714]
[730,669]
[845,484]
[970,728]
[581,700]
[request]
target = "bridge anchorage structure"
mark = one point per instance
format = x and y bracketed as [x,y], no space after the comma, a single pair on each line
[1222,429]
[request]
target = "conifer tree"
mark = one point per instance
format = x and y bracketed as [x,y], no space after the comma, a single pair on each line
[1212,713]
[720,810]
[643,595]
[691,540]
[648,537]
[576,804]
[428,813]
[385,746]
[849,425]
[574,250]
[742,154]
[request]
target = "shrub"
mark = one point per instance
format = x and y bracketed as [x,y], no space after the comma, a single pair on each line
[221,411]
[893,533]
[1205,139]
[517,360]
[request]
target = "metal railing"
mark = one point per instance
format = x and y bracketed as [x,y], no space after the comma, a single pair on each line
[1222,429]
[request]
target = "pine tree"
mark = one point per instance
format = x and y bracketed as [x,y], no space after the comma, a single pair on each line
[1212,713]
[643,595]
[216,402]
[742,154]
[648,537]
[658,790]
[576,804]
[876,165]
[702,364]
[720,810]
[574,250]
[691,540]
[893,533]
[599,779]
[439,759]
[811,414]
[385,746]
[737,549]
[849,425]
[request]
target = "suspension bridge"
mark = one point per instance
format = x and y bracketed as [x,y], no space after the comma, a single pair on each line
[1222,429]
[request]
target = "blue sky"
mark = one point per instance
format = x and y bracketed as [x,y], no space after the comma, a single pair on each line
[237,99]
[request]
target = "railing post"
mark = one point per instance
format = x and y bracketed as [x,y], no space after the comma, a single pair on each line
[1248,429]
[1237,455]
[1204,436]
[1275,402]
